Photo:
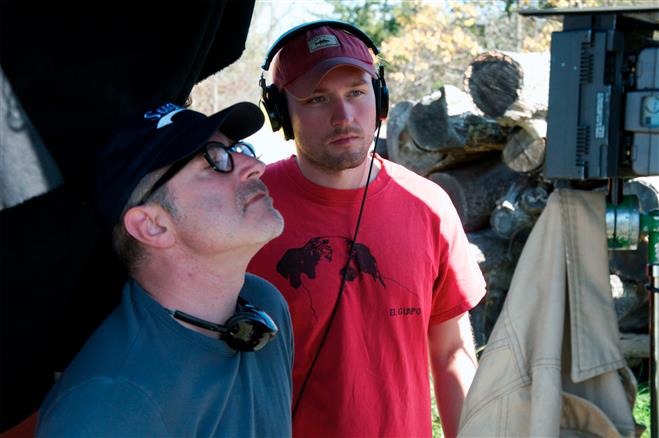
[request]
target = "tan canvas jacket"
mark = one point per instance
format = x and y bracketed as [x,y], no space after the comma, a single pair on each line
[552,366]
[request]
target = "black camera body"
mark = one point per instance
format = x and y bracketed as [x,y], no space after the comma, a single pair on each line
[603,113]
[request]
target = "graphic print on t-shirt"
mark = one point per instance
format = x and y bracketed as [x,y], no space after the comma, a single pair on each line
[328,253]
[305,260]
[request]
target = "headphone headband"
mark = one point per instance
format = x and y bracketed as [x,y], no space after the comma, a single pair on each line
[273,100]
[337,24]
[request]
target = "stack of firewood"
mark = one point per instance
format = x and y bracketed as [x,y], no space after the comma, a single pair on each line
[486,149]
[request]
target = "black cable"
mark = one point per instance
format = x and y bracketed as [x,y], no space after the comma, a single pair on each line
[343,281]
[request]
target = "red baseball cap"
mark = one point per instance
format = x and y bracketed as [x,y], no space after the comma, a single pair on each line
[306,59]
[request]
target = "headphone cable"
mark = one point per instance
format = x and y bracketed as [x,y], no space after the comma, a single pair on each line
[345,276]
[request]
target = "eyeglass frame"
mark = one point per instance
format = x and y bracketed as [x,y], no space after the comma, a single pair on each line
[177,166]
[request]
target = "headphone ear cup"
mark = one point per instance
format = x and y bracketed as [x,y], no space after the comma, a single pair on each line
[381,98]
[268,100]
[249,329]
[284,117]
[384,101]
[275,106]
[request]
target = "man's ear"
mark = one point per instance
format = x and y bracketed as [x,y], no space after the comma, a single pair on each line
[148,225]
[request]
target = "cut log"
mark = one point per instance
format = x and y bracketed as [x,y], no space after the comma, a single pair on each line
[474,189]
[508,219]
[433,130]
[491,254]
[518,210]
[627,296]
[401,148]
[509,85]
[525,150]
[636,320]
[635,345]
[429,124]
[484,316]
[534,198]
[461,159]
[381,148]
[631,301]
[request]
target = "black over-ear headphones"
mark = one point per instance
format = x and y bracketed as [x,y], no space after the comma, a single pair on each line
[248,330]
[274,101]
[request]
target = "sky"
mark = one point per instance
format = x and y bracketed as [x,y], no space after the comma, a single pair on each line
[290,13]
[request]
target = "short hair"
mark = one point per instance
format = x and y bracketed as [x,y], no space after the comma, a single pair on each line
[128,249]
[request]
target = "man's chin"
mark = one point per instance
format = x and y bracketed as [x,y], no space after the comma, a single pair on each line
[277,225]
[280,228]
[344,161]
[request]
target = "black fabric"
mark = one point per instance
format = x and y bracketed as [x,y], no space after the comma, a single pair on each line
[79,68]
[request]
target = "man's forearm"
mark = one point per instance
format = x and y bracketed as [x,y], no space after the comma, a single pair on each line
[453,365]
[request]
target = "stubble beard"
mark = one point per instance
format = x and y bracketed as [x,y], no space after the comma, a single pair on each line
[330,160]
[251,187]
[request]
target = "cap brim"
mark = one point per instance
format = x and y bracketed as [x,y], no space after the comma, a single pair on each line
[236,122]
[305,84]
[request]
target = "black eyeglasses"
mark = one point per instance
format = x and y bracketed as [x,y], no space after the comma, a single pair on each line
[216,153]
[219,156]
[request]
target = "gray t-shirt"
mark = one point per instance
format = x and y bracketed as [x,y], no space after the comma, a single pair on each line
[144,374]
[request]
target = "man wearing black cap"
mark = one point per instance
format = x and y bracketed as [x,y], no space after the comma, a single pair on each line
[197,347]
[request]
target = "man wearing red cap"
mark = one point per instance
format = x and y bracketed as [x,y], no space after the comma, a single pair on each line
[369,312]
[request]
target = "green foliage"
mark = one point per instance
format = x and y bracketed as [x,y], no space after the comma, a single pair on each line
[379,19]
[642,408]
[426,44]
[437,431]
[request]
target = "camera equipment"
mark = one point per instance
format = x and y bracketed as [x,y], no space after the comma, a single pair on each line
[603,123]
[603,119]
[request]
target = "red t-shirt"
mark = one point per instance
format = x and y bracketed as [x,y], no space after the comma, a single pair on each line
[412,268]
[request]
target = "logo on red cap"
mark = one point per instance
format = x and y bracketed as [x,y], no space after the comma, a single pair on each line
[305,59]
[322,42]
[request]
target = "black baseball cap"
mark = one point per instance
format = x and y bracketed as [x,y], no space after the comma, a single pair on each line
[160,137]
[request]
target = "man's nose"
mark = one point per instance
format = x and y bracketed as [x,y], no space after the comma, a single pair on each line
[343,113]
[248,167]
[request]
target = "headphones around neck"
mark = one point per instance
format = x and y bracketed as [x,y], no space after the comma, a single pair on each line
[250,329]
[274,101]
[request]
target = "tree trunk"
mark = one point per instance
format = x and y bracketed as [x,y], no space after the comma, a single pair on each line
[635,345]
[461,159]
[525,150]
[474,189]
[400,147]
[518,210]
[627,295]
[509,85]
[491,253]
[433,130]
[497,266]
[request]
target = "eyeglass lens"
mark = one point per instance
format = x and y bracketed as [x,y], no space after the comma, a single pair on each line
[220,154]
